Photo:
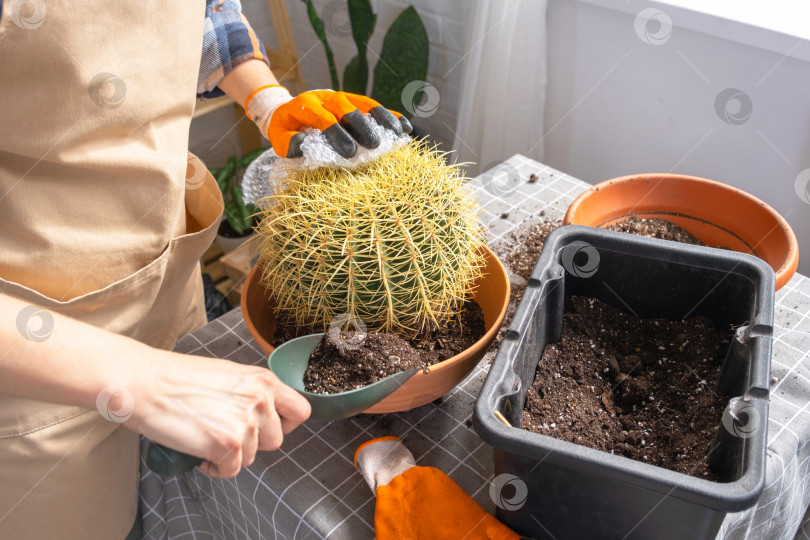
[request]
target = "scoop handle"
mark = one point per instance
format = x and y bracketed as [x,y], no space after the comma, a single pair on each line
[164,461]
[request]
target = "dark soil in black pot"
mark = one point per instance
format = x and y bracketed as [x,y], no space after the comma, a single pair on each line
[641,388]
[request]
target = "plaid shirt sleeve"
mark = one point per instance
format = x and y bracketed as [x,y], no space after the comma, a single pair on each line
[228,41]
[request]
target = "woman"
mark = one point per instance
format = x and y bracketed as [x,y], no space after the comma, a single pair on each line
[103,218]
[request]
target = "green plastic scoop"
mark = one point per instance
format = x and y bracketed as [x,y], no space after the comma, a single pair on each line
[289,361]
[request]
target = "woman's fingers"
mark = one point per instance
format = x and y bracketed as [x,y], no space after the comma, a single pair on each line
[386,119]
[364,104]
[306,110]
[270,434]
[340,116]
[250,446]
[234,451]
[383,116]
[291,421]
[216,409]
[309,109]
[228,464]
[406,124]
[351,118]
[292,407]
[277,410]
[286,142]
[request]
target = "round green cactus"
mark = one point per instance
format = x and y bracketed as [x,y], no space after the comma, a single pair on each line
[396,243]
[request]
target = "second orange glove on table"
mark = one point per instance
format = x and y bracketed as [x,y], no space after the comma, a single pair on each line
[420,503]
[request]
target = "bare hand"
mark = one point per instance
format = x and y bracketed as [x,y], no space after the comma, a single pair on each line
[216,409]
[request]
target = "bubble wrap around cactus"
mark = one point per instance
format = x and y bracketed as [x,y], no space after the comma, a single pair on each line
[267,173]
[395,243]
[256,183]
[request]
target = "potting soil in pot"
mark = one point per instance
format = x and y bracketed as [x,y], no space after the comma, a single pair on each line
[368,359]
[352,359]
[641,388]
[655,228]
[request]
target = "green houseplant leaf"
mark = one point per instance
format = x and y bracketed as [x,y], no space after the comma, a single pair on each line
[320,31]
[233,213]
[363,21]
[243,216]
[248,158]
[238,214]
[223,174]
[404,58]
[355,74]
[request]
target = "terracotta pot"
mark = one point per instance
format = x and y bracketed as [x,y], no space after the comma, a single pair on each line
[716,214]
[491,293]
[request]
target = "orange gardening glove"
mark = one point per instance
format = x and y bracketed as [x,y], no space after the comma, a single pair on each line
[339,115]
[420,503]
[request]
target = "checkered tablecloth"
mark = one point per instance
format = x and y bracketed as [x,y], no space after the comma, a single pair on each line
[310,489]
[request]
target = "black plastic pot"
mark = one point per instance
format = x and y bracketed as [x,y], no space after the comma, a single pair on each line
[548,488]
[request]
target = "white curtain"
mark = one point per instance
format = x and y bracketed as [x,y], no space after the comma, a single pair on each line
[503,83]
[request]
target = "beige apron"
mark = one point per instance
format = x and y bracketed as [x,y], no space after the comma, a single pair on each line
[103,217]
